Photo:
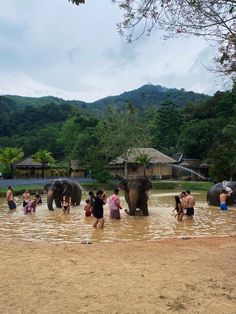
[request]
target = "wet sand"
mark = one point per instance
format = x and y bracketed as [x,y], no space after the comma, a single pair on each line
[197,275]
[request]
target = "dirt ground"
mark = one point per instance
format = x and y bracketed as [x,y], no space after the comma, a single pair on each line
[184,276]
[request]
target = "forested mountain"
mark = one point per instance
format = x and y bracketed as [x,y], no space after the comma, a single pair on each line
[141,98]
[199,126]
[149,95]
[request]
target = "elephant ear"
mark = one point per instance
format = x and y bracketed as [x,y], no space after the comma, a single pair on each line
[148,185]
[123,185]
[47,187]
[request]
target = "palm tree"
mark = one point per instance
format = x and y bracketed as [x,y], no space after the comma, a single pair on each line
[44,157]
[144,160]
[10,155]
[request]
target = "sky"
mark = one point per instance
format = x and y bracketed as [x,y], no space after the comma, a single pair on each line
[52,47]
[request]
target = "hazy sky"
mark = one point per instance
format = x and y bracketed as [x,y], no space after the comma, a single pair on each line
[51,47]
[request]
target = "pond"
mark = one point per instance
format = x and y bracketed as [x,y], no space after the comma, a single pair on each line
[54,226]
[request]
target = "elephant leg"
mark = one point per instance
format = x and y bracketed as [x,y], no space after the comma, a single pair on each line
[50,198]
[58,202]
[143,206]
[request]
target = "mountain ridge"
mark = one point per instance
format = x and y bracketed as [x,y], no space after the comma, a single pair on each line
[142,97]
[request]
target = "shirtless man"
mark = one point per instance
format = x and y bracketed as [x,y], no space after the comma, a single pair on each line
[223,197]
[189,204]
[10,198]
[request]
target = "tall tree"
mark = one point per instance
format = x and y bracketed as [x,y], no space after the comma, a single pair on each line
[45,158]
[10,155]
[119,132]
[169,120]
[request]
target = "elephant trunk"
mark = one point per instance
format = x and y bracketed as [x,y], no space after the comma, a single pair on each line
[50,199]
[133,201]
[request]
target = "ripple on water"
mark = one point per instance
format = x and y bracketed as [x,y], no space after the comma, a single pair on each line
[47,226]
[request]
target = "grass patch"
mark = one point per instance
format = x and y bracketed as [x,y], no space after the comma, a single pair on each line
[181,185]
[94,186]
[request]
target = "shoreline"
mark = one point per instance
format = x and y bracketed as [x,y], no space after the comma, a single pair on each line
[163,276]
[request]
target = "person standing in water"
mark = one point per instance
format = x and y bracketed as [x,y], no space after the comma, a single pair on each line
[99,201]
[10,198]
[114,205]
[223,199]
[31,206]
[26,198]
[88,208]
[66,203]
[189,204]
[178,208]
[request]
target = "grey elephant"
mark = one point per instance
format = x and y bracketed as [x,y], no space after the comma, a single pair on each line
[213,195]
[59,187]
[136,194]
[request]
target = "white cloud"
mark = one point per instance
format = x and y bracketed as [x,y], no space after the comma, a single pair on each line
[54,47]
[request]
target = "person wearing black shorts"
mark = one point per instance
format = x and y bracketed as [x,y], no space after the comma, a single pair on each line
[99,201]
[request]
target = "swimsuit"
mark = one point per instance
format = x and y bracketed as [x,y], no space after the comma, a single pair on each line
[223,206]
[190,211]
[11,205]
[25,203]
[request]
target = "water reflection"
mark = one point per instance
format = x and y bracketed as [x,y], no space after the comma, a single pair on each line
[57,227]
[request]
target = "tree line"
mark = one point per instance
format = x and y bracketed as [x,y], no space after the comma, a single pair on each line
[203,130]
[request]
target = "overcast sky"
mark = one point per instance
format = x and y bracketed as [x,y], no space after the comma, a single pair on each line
[51,47]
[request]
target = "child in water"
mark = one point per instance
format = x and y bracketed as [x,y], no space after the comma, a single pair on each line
[88,208]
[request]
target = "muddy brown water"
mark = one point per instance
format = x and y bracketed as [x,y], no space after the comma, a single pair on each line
[54,226]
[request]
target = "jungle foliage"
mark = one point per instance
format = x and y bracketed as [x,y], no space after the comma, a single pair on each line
[203,129]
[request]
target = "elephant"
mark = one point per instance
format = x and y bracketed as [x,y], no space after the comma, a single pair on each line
[59,187]
[136,194]
[213,195]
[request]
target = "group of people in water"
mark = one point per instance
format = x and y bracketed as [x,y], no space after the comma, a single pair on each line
[29,203]
[184,205]
[93,204]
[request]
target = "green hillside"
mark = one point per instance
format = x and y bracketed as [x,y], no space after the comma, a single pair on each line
[141,98]
[149,95]
[170,120]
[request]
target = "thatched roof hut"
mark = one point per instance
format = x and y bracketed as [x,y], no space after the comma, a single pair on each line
[132,154]
[158,165]
[27,163]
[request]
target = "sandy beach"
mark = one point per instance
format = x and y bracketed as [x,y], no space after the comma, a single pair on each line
[196,275]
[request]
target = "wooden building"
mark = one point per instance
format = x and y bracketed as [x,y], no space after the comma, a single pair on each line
[158,167]
[28,168]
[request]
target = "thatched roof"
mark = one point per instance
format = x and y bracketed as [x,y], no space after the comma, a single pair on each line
[132,154]
[28,162]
